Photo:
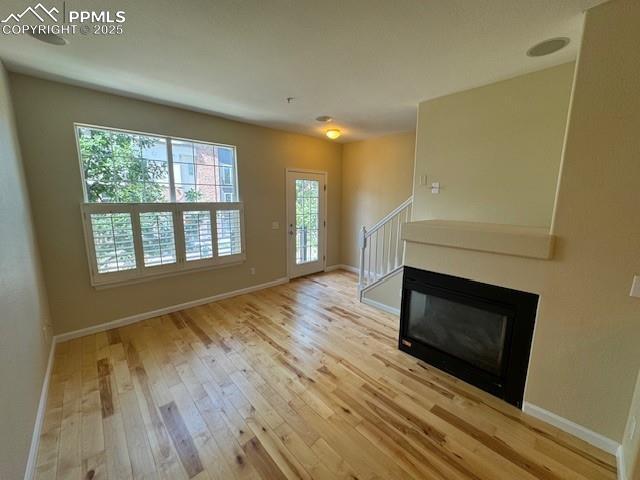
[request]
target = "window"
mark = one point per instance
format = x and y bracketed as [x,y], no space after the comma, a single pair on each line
[307,226]
[156,205]
[125,167]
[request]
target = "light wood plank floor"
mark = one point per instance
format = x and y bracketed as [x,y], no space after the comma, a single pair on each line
[297,381]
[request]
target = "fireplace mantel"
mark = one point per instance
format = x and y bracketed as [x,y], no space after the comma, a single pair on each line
[519,241]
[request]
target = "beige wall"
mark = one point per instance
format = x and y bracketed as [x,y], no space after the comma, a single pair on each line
[495,150]
[585,352]
[45,114]
[24,333]
[593,377]
[376,177]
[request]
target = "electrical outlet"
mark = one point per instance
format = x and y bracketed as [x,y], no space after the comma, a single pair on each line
[275,225]
[435,187]
[252,270]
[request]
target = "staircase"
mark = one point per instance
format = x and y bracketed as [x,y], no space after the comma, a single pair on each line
[382,249]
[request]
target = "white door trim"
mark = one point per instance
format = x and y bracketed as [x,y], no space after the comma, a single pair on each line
[325,204]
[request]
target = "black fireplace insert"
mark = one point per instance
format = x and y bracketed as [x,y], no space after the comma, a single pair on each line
[477,332]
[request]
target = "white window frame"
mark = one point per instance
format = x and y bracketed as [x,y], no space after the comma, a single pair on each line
[142,272]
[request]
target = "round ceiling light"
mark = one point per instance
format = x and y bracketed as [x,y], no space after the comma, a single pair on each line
[333,133]
[50,38]
[548,47]
[324,118]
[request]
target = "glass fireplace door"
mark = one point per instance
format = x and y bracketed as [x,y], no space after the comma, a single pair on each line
[467,332]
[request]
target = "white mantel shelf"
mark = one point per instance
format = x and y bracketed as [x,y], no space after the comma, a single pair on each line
[519,241]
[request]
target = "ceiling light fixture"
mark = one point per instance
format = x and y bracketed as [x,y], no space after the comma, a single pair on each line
[333,133]
[324,118]
[50,38]
[548,47]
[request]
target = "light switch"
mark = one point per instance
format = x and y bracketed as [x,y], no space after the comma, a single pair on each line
[635,287]
[435,187]
[275,225]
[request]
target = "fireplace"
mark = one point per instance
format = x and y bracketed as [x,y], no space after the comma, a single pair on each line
[477,332]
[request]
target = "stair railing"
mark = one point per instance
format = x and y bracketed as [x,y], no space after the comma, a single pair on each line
[381,248]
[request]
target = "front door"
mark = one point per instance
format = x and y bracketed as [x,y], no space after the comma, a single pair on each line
[306,222]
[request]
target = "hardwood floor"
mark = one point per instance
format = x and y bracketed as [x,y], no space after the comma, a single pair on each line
[297,381]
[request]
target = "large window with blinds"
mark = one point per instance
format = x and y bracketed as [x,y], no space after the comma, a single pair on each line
[156,205]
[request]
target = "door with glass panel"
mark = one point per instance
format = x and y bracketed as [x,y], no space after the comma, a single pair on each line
[306,222]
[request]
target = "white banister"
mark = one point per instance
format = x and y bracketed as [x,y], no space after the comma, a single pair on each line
[363,242]
[399,209]
[388,257]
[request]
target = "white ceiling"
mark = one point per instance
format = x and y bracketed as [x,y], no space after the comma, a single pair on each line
[367,63]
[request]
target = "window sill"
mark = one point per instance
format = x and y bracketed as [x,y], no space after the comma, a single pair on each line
[158,276]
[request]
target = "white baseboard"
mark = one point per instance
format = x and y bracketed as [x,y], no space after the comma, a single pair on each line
[165,310]
[622,467]
[589,436]
[348,268]
[381,306]
[30,470]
